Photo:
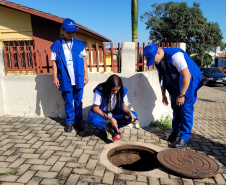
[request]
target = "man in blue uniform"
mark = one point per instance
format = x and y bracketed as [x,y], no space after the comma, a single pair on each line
[181,77]
[70,73]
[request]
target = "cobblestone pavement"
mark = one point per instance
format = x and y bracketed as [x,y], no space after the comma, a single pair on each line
[46,155]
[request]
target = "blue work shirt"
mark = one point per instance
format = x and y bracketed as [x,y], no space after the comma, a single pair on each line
[62,70]
[175,78]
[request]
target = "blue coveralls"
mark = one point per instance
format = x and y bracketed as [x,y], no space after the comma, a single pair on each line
[98,121]
[182,115]
[69,92]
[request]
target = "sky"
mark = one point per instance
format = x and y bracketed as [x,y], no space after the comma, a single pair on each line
[112,18]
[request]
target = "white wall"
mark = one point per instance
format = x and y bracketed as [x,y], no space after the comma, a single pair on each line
[35,95]
[221,62]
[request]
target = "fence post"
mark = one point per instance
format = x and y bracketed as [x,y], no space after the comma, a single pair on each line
[2,75]
[181,45]
[128,63]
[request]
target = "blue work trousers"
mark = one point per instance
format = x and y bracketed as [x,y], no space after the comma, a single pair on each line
[98,121]
[73,105]
[182,117]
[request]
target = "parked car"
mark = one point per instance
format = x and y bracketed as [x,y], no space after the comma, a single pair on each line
[223,69]
[213,75]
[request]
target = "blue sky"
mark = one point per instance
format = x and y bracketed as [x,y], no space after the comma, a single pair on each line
[112,18]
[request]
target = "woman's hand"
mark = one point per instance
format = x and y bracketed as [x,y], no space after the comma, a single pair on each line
[114,123]
[133,118]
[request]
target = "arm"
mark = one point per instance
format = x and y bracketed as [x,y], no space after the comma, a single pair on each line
[55,79]
[164,98]
[86,79]
[126,109]
[185,84]
[97,110]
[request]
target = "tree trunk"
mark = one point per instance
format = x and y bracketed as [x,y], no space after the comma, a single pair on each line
[202,57]
[134,18]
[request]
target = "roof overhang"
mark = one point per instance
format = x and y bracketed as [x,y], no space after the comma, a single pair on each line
[82,29]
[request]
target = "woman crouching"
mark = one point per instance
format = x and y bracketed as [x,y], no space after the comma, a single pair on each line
[108,104]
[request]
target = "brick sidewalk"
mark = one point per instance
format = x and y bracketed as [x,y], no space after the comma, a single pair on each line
[46,154]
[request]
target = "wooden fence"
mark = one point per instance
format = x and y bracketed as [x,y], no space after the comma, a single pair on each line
[26,59]
[141,62]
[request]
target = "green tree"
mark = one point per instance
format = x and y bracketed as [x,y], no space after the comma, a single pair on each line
[207,59]
[134,19]
[176,22]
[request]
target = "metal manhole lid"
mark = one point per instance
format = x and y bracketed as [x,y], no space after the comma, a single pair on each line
[187,163]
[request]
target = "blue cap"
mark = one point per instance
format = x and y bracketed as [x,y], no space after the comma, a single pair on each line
[69,25]
[150,52]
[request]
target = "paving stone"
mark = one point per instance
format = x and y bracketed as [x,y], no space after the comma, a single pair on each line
[99,171]
[73,179]
[127,177]
[135,183]
[91,164]
[81,171]
[108,178]
[219,179]
[40,167]
[12,183]
[187,181]
[52,160]
[10,178]
[26,176]
[57,166]
[141,178]
[91,179]
[64,173]
[44,174]
[83,158]
[52,181]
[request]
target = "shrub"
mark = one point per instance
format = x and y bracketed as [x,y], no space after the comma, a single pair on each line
[163,123]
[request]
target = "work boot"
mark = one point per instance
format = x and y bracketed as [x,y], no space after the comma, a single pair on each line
[78,126]
[171,138]
[179,144]
[103,135]
[68,127]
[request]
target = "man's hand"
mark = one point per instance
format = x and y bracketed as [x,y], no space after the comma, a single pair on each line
[56,82]
[86,79]
[164,100]
[180,101]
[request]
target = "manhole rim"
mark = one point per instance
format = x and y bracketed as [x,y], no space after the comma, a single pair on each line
[158,172]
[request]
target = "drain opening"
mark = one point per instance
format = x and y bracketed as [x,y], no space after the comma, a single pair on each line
[133,158]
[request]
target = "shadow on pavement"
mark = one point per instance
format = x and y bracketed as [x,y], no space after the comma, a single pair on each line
[199,143]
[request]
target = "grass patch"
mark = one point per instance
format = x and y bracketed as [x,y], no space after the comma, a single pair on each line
[12,172]
[164,123]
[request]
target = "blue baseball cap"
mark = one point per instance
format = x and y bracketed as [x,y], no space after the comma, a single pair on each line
[150,52]
[69,25]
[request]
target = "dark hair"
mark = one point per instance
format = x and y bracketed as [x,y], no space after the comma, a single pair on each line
[111,82]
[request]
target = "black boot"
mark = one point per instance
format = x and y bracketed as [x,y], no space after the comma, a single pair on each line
[179,144]
[68,127]
[78,126]
[113,132]
[171,138]
[103,135]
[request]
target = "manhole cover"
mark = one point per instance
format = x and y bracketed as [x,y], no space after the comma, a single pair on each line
[133,158]
[188,163]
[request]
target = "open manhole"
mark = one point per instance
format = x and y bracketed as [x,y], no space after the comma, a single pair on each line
[149,160]
[133,158]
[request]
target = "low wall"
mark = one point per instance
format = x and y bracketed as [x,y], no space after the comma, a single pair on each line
[35,95]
